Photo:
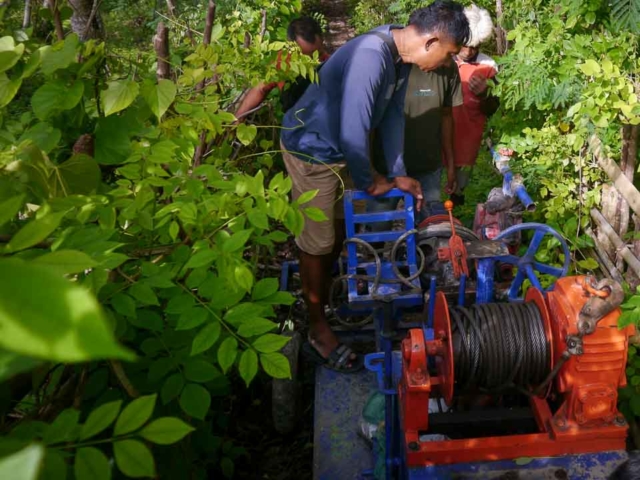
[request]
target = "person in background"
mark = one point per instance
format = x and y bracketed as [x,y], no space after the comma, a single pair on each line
[306,32]
[327,134]
[428,137]
[471,117]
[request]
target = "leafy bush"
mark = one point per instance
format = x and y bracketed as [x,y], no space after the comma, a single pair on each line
[119,242]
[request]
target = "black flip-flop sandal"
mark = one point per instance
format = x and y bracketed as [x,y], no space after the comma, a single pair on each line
[339,359]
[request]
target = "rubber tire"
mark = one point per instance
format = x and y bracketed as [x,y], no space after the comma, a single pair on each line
[285,394]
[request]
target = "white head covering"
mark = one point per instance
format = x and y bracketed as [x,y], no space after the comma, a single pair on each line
[480,25]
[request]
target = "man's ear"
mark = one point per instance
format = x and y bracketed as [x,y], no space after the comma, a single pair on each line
[431,41]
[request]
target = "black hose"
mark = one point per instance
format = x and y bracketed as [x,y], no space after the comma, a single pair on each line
[499,347]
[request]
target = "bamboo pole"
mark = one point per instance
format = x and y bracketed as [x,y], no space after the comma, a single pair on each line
[622,248]
[607,264]
[620,181]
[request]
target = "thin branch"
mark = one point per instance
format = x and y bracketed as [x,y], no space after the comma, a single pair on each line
[57,21]
[263,28]
[120,374]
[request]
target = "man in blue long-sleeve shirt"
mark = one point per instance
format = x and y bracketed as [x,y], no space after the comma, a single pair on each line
[329,128]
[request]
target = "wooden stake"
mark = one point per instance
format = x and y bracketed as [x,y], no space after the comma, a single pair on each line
[629,257]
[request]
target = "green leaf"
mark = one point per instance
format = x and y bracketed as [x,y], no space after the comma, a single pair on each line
[118,96]
[205,338]
[45,316]
[275,365]
[10,53]
[135,414]
[54,466]
[227,353]
[80,175]
[590,67]
[270,343]
[10,208]
[256,326]
[200,371]
[244,277]
[35,231]
[192,318]
[265,288]
[43,135]
[112,144]
[124,305]
[143,293]
[166,430]
[160,97]
[226,464]
[258,219]
[23,465]
[315,214]
[63,428]
[237,241]
[8,89]
[248,366]
[246,133]
[11,364]
[60,55]
[91,464]
[66,261]
[134,459]
[172,388]
[307,196]
[195,401]
[100,419]
[202,258]
[180,304]
[279,298]
[589,264]
[56,96]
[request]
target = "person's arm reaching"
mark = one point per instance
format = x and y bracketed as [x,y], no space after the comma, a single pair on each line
[447,148]
[254,97]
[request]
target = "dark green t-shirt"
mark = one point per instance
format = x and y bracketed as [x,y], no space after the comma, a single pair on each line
[425,96]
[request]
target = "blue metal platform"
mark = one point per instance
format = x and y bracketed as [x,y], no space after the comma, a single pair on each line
[340,453]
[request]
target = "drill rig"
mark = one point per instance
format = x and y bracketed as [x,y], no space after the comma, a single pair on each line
[524,387]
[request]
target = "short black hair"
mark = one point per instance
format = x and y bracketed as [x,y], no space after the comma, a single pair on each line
[306,28]
[442,16]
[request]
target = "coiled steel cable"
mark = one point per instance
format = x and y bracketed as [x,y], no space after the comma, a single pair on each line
[499,347]
[377,278]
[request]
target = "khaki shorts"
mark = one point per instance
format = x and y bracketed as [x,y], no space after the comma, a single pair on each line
[318,238]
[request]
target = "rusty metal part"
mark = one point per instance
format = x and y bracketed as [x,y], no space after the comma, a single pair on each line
[605,296]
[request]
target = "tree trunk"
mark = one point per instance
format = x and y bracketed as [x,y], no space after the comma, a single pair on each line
[161,46]
[501,37]
[86,20]
[627,166]
[173,9]
[26,19]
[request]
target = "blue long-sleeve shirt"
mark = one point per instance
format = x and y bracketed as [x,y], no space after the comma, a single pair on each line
[356,93]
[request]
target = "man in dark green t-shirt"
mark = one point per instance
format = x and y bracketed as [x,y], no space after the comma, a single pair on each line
[428,136]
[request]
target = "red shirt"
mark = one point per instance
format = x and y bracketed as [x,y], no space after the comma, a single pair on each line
[267,87]
[469,121]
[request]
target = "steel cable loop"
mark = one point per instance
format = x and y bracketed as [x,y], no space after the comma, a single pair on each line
[499,347]
[376,279]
